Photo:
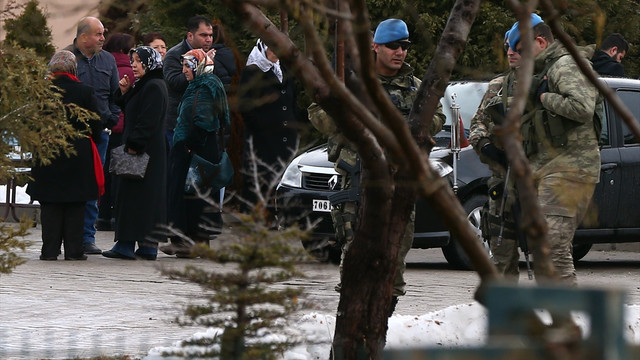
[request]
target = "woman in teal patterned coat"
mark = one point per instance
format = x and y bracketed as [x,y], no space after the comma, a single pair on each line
[202,116]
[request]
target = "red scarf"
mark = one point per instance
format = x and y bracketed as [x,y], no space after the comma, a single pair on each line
[71,76]
[97,168]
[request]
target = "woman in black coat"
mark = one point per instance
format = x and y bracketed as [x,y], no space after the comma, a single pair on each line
[141,205]
[268,106]
[65,185]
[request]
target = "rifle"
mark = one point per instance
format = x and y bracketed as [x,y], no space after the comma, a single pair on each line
[353,193]
[505,194]
[515,212]
[455,139]
[522,239]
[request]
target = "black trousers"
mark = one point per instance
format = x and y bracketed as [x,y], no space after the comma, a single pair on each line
[62,221]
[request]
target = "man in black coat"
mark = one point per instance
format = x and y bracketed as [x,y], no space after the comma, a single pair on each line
[199,36]
[607,60]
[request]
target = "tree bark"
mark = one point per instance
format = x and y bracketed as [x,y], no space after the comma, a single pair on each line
[391,178]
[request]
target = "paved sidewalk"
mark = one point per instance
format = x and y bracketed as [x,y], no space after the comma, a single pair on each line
[81,309]
[77,309]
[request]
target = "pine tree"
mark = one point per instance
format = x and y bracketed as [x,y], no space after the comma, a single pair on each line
[248,301]
[30,30]
[33,125]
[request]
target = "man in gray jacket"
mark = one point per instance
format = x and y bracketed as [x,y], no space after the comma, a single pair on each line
[98,69]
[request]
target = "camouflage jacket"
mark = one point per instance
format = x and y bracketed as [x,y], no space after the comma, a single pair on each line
[573,97]
[402,90]
[482,123]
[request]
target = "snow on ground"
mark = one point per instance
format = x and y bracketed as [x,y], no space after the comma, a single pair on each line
[454,326]
[21,195]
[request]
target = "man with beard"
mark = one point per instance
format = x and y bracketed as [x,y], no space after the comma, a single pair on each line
[608,60]
[199,36]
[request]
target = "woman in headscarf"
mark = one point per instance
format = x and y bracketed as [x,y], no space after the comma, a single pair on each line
[203,115]
[141,207]
[267,101]
[65,185]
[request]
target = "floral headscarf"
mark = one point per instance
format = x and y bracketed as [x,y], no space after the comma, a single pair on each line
[258,56]
[63,61]
[149,57]
[199,62]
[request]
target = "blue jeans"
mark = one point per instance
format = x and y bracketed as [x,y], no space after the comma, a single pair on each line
[91,209]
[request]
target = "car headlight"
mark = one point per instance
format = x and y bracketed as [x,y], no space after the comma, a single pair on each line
[292,176]
[442,168]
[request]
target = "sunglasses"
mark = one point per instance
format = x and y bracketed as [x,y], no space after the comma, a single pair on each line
[394,45]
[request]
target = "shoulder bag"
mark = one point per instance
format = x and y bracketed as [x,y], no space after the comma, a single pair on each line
[205,175]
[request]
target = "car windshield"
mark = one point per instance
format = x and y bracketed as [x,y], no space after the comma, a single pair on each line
[467,95]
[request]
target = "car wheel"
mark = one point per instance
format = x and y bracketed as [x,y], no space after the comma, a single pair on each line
[320,250]
[579,251]
[453,252]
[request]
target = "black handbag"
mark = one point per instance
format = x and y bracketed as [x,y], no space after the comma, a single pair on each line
[206,175]
[128,165]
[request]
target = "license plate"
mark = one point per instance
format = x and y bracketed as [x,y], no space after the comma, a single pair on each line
[321,205]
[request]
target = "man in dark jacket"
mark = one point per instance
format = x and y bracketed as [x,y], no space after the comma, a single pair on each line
[607,60]
[98,69]
[199,36]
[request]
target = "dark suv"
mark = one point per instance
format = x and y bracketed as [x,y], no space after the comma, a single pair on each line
[310,178]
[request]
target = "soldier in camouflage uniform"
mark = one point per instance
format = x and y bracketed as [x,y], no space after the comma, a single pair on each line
[481,136]
[560,139]
[390,45]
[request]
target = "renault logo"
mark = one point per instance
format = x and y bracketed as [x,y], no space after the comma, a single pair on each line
[333,181]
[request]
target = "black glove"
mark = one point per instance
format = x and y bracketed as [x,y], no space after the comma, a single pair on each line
[538,87]
[495,154]
[543,88]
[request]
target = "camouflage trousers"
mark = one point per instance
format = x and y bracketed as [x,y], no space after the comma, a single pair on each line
[504,251]
[343,217]
[564,204]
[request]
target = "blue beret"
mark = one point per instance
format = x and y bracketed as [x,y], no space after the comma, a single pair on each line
[514,32]
[390,30]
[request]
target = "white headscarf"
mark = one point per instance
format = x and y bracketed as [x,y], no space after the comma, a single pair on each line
[258,56]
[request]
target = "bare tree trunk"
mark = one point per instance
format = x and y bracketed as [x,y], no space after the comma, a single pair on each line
[434,83]
[391,178]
